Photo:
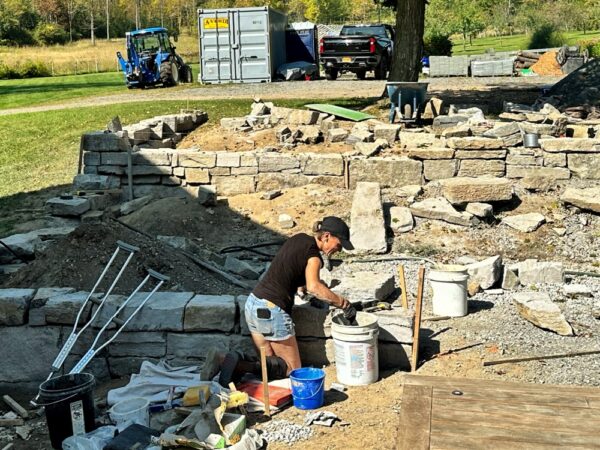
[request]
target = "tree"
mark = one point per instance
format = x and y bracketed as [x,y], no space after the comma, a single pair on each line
[408,41]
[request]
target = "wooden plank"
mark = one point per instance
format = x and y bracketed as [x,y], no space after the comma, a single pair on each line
[458,383]
[453,442]
[492,406]
[415,418]
[521,421]
[546,437]
[402,279]
[265,381]
[417,325]
[538,398]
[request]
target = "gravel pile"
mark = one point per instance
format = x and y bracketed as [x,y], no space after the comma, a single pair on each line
[286,432]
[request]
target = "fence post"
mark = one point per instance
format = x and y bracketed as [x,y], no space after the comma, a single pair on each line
[76,67]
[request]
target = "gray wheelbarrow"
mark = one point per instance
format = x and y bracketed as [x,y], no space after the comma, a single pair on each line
[407,99]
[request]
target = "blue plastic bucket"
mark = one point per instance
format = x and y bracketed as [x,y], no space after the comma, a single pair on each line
[308,387]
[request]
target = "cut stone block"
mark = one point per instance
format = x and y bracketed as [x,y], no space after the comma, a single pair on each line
[310,134]
[37,315]
[401,219]
[480,154]
[388,172]
[286,221]
[537,308]
[442,122]
[163,312]
[240,184]
[388,132]
[440,209]
[195,345]
[481,210]
[555,159]
[510,279]
[228,159]
[274,162]
[336,135]
[311,322]
[577,290]
[525,223]
[141,344]
[210,313]
[365,286]
[95,182]
[194,176]
[303,117]
[396,325]
[367,148]
[550,173]
[460,131]
[410,140]
[150,170]
[570,145]
[23,244]
[431,153]
[475,143]
[205,160]
[481,167]
[533,272]
[367,230]
[14,306]
[360,135]
[588,199]
[440,169]
[241,268]
[104,142]
[469,190]
[487,272]
[502,130]
[585,166]
[71,207]
[113,159]
[316,164]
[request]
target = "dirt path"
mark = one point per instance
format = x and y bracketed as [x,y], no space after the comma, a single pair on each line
[343,88]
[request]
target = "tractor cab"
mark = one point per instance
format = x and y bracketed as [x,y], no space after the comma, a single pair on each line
[151,60]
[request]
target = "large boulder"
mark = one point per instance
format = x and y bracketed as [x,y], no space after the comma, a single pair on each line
[537,308]
[532,271]
[487,272]
[485,189]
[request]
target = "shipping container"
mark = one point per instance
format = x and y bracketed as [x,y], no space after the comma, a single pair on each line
[301,42]
[240,45]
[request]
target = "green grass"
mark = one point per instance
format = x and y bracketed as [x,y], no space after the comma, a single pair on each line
[48,90]
[511,43]
[39,151]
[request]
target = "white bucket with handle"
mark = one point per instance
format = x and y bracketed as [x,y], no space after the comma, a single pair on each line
[449,285]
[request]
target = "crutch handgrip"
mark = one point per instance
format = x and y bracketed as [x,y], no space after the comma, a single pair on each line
[128,247]
[158,276]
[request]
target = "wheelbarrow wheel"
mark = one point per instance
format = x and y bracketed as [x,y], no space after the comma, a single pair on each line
[407,111]
[331,74]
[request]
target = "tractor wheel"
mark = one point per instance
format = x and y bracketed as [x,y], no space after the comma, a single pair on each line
[361,74]
[331,74]
[186,74]
[381,69]
[169,73]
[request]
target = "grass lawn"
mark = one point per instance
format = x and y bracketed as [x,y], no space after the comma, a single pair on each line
[40,150]
[511,43]
[47,90]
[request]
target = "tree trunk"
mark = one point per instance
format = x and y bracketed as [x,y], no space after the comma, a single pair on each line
[408,42]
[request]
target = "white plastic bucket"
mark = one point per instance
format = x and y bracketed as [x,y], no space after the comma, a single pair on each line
[356,353]
[130,411]
[449,285]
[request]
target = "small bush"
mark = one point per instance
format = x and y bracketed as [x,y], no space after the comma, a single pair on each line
[592,46]
[437,45]
[50,34]
[29,69]
[546,36]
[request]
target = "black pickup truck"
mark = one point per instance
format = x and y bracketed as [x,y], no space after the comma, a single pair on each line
[358,49]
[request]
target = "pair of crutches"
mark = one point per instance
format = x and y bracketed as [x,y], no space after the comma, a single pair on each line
[121,324]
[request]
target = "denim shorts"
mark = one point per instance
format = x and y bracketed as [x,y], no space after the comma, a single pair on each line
[276,328]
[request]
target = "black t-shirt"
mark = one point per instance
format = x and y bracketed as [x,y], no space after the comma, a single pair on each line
[287,271]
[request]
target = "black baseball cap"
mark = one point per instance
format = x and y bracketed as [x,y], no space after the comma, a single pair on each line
[338,228]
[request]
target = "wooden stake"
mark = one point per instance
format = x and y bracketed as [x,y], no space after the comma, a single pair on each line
[80,162]
[15,406]
[403,286]
[265,381]
[418,310]
[347,174]
[536,358]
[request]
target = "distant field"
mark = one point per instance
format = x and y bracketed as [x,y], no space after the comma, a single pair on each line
[510,43]
[82,57]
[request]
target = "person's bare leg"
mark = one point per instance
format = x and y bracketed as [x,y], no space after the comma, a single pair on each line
[260,341]
[288,351]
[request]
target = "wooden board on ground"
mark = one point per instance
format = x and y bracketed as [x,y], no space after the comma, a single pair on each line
[454,413]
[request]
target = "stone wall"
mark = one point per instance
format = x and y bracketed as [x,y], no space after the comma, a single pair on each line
[171,172]
[179,327]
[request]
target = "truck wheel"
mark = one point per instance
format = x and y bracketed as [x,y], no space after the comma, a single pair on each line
[381,69]
[331,74]
[169,73]
[361,74]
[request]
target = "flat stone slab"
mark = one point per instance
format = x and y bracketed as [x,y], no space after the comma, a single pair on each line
[475,143]
[588,199]
[577,290]
[195,345]
[396,325]
[163,312]
[484,189]
[37,315]
[139,344]
[14,305]
[365,286]
[401,219]
[104,142]
[533,272]
[87,182]
[440,209]
[526,223]
[570,145]
[486,273]
[23,244]
[63,308]
[72,207]
[210,313]
[367,229]
[27,353]
[537,308]
[481,210]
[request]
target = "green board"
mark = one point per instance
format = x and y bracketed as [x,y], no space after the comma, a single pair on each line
[338,111]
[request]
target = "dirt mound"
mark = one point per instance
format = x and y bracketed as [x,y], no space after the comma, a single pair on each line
[78,260]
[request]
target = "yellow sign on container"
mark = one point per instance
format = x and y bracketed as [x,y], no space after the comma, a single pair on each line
[219,22]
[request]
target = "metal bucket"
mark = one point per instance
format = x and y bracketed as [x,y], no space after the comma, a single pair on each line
[531,140]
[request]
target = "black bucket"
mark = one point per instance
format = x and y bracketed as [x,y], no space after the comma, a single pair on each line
[69,405]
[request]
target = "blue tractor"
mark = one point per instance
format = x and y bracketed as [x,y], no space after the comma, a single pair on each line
[151,60]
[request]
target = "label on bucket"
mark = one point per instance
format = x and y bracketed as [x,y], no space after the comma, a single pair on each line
[77,419]
[360,356]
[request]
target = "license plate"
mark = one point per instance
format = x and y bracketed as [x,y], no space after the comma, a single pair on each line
[346,59]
